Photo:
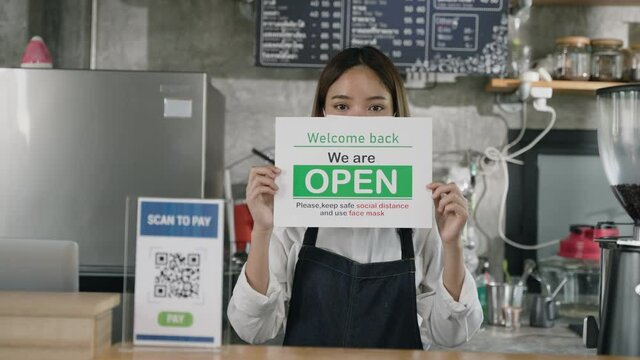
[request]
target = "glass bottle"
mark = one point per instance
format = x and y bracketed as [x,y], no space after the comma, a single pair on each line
[633,68]
[572,58]
[483,278]
[606,60]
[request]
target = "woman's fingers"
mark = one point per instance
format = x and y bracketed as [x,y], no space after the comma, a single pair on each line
[264,181]
[455,208]
[270,171]
[445,194]
[260,190]
[450,198]
[263,175]
[438,189]
[433,187]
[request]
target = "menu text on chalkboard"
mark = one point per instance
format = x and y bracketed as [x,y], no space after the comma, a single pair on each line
[454,36]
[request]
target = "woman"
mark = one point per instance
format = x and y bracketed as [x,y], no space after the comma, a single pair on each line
[358,287]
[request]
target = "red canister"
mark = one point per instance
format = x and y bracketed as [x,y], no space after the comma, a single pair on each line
[243,224]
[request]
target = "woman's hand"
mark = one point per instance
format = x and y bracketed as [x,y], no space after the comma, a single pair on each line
[260,191]
[451,212]
[451,216]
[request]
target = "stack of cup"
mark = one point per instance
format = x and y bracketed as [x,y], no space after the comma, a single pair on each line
[504,304]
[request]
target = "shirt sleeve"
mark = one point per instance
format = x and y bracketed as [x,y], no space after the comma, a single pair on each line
[256,317]
[444,321]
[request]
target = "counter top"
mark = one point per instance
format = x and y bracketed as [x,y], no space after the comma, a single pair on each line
[558,340]
[249,352]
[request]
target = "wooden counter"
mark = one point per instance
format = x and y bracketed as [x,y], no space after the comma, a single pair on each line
[49,325]
[247,352]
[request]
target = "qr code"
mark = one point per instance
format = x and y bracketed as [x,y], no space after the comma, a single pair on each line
[177,275]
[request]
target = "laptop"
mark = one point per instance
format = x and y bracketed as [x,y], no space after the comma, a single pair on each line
[38,265]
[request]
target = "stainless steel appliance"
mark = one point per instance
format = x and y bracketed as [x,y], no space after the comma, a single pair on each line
[75,144]
[619,146]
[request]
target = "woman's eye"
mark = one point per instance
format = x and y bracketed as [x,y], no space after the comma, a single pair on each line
[376,108]
[341,107]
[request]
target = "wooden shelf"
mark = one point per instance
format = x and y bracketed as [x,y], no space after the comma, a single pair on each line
[586,2]
[576,87]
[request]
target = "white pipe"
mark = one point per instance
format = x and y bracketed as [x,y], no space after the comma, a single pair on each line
[94,34]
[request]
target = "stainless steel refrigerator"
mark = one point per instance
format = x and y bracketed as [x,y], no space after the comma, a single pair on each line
[75,144]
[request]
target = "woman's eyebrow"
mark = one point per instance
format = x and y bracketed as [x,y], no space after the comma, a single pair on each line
[340,97]
[376,97]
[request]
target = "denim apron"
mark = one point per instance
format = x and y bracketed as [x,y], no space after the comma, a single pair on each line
[338,302]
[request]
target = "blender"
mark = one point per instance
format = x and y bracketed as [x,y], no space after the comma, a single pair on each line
[619,147]
[578,263]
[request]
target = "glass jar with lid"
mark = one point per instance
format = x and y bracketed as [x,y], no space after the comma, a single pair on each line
[572,58]
[606,60]
[633,62]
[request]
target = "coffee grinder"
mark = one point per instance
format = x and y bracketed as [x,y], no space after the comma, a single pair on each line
[619,147]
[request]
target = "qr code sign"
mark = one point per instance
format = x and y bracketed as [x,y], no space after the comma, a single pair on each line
[177,275]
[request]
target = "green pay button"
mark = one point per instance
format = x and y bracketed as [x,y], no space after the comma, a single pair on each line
[175,319]
[352,181]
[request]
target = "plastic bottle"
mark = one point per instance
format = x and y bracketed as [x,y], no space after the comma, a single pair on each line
[36,54]
[482,279]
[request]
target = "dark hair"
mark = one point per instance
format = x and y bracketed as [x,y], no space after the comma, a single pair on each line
[375,60]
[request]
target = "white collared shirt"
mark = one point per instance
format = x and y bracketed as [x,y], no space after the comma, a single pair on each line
[258,318]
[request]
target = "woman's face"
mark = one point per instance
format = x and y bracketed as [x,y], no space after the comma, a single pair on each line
[358,92]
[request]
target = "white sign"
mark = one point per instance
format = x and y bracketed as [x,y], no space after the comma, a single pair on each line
[353,172]
[179,261]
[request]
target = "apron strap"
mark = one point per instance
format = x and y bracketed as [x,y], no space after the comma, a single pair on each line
[310,236]
[406,240]
[406,243]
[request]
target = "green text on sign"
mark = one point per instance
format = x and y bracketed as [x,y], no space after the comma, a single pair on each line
[175,319]
[352,181]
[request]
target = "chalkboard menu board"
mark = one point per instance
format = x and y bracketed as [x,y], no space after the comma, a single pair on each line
[453,36]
